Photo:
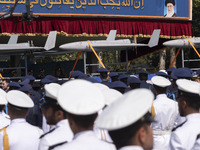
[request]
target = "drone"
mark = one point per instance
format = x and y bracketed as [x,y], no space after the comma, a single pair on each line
[28,16]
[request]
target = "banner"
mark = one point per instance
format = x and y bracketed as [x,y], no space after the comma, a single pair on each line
[161,9]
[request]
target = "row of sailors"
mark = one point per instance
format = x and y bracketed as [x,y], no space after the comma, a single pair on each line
[156,109]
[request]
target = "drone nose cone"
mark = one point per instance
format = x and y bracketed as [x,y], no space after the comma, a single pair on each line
[62,46]
[170,43]
[69,46]
[76,46]
[174,43]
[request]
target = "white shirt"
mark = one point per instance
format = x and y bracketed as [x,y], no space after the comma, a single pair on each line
[197,145]
[45,127]
[61,133]
[4,120]
[131,148]
[184,137]
[166,117]
[86,140]
[22,135]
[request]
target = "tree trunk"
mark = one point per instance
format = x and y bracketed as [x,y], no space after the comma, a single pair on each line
[172,55]
[162,59]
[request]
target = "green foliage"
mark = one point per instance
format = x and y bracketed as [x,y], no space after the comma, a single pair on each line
[196,18]
[57,58]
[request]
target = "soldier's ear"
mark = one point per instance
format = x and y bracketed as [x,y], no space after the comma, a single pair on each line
[184,104]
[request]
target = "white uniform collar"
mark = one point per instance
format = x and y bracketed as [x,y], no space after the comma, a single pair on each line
[88,132]
[133,147]
[193,116]
[161,95]
[62,123]
[18,120]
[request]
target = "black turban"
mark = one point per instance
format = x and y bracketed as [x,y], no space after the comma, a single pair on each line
[169,1]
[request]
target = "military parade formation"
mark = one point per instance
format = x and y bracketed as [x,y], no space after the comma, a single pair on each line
[126,112]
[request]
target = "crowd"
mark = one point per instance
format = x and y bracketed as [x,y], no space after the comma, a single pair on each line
[125,112]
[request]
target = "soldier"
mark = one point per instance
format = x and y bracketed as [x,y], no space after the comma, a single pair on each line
[166,117]
[143,76]
[13,86]
[180,73]
[110,95]
[78,75]
[5,83]
[123,78]
[4,119]
[35,115]
[114,76]
[119,86]
[128,120]
[19,135]
[82,100]
[134,82]
[54,115]
[184,136]
[104,76]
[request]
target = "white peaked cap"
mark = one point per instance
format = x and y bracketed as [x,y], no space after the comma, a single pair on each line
[101,86]
[160,81]
[3,100]
[188,86]
[51,90]
[163,71]
[80,97]
[126,110]
[19,99]
[111,95]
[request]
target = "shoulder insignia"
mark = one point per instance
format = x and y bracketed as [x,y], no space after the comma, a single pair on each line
[3,128]
[59,144]
[6,116]
[198,136]
[178,126]
[47,133]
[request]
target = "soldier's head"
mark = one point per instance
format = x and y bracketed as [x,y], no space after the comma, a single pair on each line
[128,121]
[160,84]
[81,100]
[51,109]
[18,104]
[143,75]
[5,83]
[103,74]
[188,97]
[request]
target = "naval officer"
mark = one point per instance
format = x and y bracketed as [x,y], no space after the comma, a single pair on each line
[184,136]
[128,120]
[82,100]
[4,118]
[54,115]
[165,113]
[110,96]
[19,135]
[143,76]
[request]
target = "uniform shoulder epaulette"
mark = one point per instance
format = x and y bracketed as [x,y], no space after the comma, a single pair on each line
[198,136]
[47,133]
[6,116]
[59,144]
[3,128]
[178,126]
